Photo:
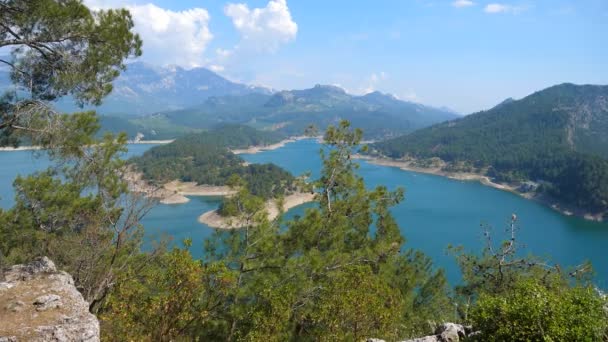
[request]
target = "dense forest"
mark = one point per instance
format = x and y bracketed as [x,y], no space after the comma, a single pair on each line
[341,271]
[205,158]
[555,136]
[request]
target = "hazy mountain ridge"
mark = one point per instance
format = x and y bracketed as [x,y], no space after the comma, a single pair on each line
[290,111]
[146,89]
[166,102]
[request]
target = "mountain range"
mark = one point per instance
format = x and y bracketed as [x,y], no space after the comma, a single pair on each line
[166,102]
[290,112]
[145,89]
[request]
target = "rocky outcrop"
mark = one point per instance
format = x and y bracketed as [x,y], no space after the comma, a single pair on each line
[39,303]
[446,332]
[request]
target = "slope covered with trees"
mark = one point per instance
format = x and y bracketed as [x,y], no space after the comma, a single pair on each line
[205,158]
[557,135]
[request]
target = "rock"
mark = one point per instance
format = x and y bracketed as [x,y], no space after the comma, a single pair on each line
[446,332]
[450,332]
[39,303]
[46,302]
[15,306]
[8,339]
[24,272]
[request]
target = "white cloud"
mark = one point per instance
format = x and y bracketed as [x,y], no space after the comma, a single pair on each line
[170,37]
[173,37]
[410,95]
[216,68]
[263,28]
[502,8]
[462,3]
[103,4]
[373,81]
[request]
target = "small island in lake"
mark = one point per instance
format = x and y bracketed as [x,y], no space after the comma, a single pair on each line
[203,164]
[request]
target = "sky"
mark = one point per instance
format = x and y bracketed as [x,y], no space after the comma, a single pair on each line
[467,55]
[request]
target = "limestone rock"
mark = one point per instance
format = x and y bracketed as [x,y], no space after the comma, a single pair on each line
[450,332]
[39,303]
[46,302]
[446,332]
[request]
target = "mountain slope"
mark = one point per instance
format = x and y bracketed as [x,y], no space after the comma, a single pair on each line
[145,89]
[556,135]
[292,111]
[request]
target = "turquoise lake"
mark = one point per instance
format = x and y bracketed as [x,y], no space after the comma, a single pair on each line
[436,212]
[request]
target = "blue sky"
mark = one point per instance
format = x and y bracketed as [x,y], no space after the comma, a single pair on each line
[467,54]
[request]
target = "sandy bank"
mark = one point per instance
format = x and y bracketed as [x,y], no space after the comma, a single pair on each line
[33,148]
[150,142]
[174,192]
[258,149]
[409,165]
[214,220]
[20,148]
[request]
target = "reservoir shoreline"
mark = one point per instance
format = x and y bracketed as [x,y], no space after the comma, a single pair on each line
[263,148]
[485,180]
[35,148]
[214,220]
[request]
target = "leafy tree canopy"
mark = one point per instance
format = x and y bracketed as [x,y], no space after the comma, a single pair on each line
[58,48]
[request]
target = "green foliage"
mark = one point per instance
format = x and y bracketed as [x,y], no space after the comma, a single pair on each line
[61,47]
[58,48]
[498,268]
[556,135]
[243,205]
[79,213]
[205,158]
[535,312]
[173,297]
[507,297]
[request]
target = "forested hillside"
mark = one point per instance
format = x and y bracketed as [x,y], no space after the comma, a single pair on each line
[206,158]
[557,135]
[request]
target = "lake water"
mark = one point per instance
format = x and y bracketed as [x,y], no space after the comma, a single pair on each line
[436,212]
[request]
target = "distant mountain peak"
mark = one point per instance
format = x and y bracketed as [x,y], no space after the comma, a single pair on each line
[330,88]
[144,89]
[504,102]
[379,94]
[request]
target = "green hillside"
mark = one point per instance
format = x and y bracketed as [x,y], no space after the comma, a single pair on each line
[205,158]
[557,135]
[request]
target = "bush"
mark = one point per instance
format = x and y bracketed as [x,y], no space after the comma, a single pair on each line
[533,312]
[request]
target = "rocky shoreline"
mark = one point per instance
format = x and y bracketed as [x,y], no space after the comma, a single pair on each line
[258,149]
[410,165]
[173,192]
[35,148]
